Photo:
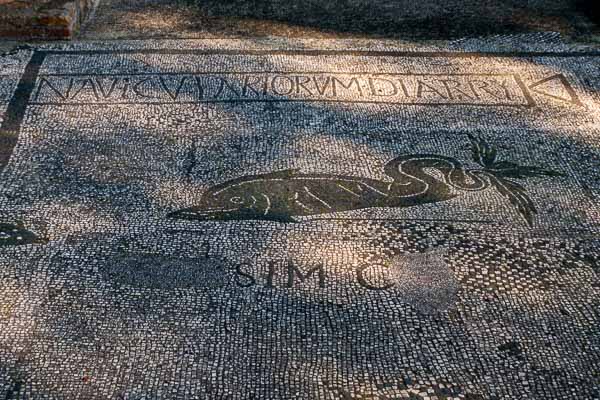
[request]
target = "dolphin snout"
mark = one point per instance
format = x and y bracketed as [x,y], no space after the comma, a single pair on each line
[190,215]
[203,214]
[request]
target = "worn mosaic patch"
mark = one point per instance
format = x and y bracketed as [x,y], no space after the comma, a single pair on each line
[309,224]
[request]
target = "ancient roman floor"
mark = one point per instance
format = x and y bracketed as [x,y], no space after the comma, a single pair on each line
[235,219]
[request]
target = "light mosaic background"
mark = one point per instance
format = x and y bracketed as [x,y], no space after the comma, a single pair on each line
[452,299]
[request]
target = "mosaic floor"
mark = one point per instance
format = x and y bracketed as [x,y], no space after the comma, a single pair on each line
[231,221]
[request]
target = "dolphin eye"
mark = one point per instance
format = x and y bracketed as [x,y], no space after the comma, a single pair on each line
[236,200]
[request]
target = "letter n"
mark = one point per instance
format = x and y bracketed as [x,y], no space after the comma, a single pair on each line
[63,96]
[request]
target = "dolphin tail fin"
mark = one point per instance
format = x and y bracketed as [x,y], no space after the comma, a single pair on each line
[517,196]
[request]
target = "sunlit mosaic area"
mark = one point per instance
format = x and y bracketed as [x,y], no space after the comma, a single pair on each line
[299,224]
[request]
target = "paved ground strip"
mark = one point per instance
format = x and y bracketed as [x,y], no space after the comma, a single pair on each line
[237,223]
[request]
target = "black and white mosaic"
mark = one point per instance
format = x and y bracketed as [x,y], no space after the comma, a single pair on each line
[223,222]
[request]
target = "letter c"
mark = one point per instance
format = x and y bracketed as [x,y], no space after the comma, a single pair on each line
[363,282]
[136,88]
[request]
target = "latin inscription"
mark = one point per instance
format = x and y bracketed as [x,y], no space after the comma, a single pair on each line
[287,275]
[448,89]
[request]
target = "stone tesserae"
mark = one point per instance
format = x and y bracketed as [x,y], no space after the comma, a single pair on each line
[328,220]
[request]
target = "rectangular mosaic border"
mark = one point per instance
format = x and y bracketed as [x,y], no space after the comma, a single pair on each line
[15,112]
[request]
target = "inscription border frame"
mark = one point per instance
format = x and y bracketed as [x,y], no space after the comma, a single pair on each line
[17,105]
[530,102]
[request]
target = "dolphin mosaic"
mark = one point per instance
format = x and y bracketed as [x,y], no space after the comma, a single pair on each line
[415,179]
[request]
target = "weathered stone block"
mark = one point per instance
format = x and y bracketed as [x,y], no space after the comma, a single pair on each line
[47,19]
